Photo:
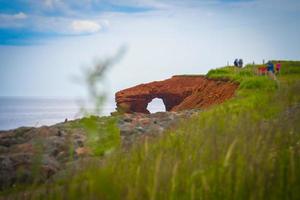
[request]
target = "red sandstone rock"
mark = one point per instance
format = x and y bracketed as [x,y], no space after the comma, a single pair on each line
[178,93]
[83,151]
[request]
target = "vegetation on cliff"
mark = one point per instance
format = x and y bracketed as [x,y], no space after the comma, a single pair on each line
[245,148]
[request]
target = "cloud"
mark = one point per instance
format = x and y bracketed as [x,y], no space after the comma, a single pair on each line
[105,23]
[16,16]
[20,15]
[85,26]
[12,20]
[75,17]
[49,3]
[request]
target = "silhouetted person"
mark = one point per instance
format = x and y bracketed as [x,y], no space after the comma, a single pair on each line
[240,63]
[235,62]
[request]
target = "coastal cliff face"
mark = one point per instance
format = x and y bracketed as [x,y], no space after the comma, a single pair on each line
[178,93]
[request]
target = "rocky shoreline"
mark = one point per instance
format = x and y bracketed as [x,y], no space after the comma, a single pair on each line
[30,154]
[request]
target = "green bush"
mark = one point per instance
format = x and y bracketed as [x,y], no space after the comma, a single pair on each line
[103,134]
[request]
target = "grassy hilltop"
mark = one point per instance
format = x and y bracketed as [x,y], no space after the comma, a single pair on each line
[246,148]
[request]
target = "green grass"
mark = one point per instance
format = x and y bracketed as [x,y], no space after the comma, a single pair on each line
[103,135]
[246,148]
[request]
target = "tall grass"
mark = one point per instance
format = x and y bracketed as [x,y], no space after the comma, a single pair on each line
[246,148]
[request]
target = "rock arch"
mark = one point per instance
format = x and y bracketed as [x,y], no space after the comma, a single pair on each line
[178,93]
[156,105]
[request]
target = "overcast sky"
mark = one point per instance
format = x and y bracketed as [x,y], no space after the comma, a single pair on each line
[44,43]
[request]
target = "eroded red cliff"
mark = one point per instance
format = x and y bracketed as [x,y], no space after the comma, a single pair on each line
[178,93]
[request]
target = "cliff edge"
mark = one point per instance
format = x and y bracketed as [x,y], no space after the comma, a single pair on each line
[178,93]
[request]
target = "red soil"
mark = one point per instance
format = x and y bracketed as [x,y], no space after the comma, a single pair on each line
[178,93]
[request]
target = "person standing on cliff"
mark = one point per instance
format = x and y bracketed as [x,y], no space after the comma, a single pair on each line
[278,67]
[240,63]
[235,62]
[270,69]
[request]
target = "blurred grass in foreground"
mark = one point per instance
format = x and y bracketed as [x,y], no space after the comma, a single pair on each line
[246,148]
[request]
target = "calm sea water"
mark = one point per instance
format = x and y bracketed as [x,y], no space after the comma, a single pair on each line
[16,112]
[35,112]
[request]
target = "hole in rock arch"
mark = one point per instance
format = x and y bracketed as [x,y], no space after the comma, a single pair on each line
[156,105]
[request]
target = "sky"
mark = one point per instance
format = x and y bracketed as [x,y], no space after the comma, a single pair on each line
[44,44]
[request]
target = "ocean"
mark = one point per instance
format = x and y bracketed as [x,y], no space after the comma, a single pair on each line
[35,112]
